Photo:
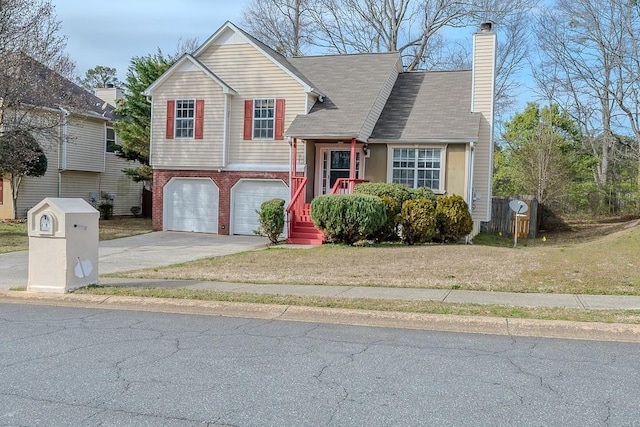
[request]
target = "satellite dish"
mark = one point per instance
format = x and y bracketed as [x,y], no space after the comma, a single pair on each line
[518,206]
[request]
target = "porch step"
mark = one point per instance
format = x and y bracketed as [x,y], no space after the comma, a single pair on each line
[303,241]
[305,233]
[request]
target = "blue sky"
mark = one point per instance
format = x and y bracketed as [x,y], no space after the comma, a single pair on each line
[111,32]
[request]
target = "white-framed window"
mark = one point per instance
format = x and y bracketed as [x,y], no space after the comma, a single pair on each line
[418,167]
[185,118]
[110,139]
[263,118]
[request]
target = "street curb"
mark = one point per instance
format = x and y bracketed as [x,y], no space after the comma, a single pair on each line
[432,322]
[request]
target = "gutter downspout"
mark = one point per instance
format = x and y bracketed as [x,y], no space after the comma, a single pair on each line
[150,101]
[470,196]
[470,190]
[225,131]
[65,136]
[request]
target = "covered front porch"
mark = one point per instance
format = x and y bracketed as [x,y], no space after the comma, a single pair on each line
[321,167]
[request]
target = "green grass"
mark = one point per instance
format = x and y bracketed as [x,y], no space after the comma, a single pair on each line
[608,265]
[13,234]
[430,307]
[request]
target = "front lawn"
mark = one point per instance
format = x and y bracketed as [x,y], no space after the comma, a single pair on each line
[607,264]
[13,234]
[602,264]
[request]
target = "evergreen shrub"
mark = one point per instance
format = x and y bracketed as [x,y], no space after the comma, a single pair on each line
[453,218]
[348,218]
[418,220]
[271,215]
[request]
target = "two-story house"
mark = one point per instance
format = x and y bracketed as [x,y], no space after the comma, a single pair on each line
[235,124]
[79,146]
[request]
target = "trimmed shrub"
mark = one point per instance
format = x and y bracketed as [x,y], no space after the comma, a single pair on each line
[271,216]
[106,210]
[423,193]
[393,195]
[453,218]
[348,218]
[418,221]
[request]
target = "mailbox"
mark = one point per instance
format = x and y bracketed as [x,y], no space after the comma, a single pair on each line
[63,245]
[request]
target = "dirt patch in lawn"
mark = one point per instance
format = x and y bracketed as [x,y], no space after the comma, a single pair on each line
[591,265]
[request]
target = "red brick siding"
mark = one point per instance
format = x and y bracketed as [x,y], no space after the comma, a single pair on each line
[224,180]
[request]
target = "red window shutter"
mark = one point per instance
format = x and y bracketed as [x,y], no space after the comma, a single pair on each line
[171,115]
[199,118]
[279,119]
[1,190]
[248,119]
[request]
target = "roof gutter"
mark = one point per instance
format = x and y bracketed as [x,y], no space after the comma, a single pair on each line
[423,141]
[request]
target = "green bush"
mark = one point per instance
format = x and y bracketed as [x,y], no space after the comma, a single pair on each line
[453,218]
[106,210]
[271,215]
[393,195]
[423,193]
[418,219]
[348,218]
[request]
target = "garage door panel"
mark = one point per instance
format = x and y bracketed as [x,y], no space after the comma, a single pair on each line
[248,196]
[191,205]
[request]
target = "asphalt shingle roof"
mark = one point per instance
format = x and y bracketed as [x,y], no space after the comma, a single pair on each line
[43,87]
[351,84]
[429,105]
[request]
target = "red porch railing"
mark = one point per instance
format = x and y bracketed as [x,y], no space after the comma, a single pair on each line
[296,204]
[346,185]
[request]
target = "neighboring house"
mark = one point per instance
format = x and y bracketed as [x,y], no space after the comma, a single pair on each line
[81,161]
[235,124]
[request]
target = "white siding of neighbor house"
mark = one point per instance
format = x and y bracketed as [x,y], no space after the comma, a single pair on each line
[80,184]
[188,153]
[483,88]
[127,192]
[85,145]
[380,101]
[6,207]
[252,75]
[69,183]
[34,189]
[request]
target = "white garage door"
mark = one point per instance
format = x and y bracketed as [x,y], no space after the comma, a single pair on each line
[247,196]
[191,204]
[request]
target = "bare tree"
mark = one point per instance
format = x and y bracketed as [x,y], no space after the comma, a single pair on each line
[590,65]
[285,25]
[415,28]
[32,65]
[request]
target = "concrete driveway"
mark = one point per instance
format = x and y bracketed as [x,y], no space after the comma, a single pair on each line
[144,251]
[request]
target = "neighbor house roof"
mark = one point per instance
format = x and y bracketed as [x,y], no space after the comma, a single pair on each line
[351,85]
[40,87]
[432,105]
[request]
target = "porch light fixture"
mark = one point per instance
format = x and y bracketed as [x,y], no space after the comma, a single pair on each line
[365,149]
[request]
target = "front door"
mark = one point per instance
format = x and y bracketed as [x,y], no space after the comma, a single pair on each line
[336,163]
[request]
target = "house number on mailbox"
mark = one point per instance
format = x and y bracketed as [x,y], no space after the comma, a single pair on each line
[45,223]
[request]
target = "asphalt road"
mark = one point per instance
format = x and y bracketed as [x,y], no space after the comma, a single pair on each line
[91,367]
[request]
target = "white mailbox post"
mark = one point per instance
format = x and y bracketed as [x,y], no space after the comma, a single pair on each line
[63,245]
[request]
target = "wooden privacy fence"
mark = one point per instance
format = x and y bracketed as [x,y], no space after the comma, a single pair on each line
[503,218]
